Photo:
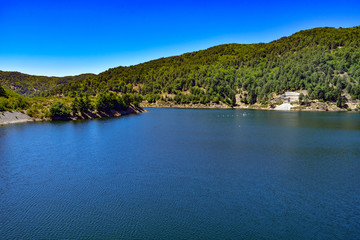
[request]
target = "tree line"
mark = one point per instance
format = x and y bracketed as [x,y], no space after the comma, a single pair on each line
[83,104]
[323,61]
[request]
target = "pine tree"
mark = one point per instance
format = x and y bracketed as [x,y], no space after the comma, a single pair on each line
[2,92]
[75,106]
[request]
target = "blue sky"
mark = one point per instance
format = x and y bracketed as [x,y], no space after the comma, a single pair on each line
[58,38]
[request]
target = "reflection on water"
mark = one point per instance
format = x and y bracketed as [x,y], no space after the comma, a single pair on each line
[176,173]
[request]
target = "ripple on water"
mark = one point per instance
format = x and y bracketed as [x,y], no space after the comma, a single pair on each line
[183,174]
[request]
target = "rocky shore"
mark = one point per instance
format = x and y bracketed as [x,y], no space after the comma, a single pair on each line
[102,114]
[13,117]
[314,106]
[162,104]
[9,117]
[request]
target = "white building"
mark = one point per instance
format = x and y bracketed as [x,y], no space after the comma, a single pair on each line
[291,96]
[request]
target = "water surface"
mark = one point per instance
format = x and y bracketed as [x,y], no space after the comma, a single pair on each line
[183,174]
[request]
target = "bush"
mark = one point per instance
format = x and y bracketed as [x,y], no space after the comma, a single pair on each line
[301,98]
[341,102]
[177,98]
[75,106]
[34,110]
[136,99]
[151,98]
[127,99]
[59,110]
[4,104]
[20,103]
[2,92]
[81,104]
[216,100]
[110,101]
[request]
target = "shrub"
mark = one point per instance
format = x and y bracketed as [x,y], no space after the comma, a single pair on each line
[301,98]
[81,104]
[20,103]
[2,92]
[4,104]
[75,106]
[110,101]
[151,98]
[136,99]
[59,110]
[340,102]
[216,99]
[34,110]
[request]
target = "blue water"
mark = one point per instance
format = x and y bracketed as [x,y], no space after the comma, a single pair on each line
[183,174]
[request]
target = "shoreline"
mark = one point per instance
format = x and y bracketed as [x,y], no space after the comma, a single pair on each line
[13,117]
[311,108]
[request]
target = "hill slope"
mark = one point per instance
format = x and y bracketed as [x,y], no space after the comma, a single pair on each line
[29,84]
[323,61]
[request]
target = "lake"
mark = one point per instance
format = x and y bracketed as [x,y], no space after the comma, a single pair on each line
[183,174]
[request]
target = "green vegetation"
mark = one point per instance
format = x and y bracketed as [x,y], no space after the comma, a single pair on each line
[81,104]
[10,100]
[323,61]
[59,110]
[63,108]
[28,85]
[2,92]
[85,105]
[109,101]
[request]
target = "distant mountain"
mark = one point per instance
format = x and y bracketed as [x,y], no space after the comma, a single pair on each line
[323,61]
[29,84]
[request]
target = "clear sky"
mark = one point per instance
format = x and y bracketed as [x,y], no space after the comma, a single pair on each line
[62,37]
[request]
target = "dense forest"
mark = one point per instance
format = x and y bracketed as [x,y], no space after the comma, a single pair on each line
[323,61]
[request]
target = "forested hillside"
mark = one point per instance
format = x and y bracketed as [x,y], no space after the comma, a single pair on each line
[65,108]
[323,61]
[10,100]
[29,84]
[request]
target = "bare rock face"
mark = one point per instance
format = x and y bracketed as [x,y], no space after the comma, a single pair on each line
[13,117]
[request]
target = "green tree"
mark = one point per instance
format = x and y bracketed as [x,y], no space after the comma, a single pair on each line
[306,100]
[87,103]
[59,111]
[2,92]
[4,104]
[19,103]
[110,101]
[82,105]
[151,98]
[340,102]
[301,98]
[252,96]
[75,106]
